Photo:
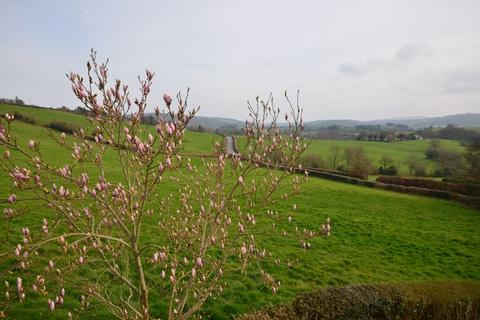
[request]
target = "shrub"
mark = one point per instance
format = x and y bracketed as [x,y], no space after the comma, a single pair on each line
[357,162]
[21,117]
[432,153]
[466,189]
[472,159]
[436,300]
[420,171]
[451,163]
[61,126]
[312,161]
[389,171]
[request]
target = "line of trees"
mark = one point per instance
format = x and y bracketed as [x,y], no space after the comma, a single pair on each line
[352,159]
[15,100]
[450,132]
[454,165]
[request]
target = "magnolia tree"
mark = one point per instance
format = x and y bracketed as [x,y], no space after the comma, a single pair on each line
[166,228]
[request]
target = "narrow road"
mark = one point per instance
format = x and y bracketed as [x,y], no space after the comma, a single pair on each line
[230,146]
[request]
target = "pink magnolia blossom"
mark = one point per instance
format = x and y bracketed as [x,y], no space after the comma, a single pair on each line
[167,99]
[12,198]
[51,304]
[26,231]
[31,144]
[243,249]
[241,227]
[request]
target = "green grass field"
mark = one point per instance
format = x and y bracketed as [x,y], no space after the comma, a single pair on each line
[378,236]
[398,150]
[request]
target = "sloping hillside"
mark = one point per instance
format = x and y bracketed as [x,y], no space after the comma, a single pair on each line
[378,237]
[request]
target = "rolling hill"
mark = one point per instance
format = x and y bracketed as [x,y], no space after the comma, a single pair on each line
[378,236]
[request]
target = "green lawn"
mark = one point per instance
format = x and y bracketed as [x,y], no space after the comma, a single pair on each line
[195,142]
[378,236]
[44,115]
[398,150]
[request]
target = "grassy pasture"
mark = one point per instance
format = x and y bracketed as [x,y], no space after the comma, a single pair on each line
[44,115]
[398,150]
[378,237]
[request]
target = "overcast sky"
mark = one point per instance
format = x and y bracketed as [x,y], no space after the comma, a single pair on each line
[356,59]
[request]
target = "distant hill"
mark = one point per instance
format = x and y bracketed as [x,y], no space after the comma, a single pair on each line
[215,122]
[329,123]
[467,120]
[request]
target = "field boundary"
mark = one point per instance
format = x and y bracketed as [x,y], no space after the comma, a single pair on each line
[474,202]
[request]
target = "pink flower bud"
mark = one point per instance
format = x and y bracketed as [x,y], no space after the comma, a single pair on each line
[31,144]
[167,99]
[243,249]
[26,231]
[160,169]
[149,74]
[169,129]
[19,284]
[51,305]
[12,198]
[199,262]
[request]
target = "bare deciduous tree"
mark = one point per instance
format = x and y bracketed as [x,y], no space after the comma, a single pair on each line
[97,220]
[334,155]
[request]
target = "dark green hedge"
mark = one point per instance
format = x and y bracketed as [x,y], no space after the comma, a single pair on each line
[21,117]
[61,126]
[436,300]
[466,189]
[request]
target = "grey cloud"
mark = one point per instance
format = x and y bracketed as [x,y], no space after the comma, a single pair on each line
[353,69]
[357,59]
[405,54]
[459,82]
[412,51]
